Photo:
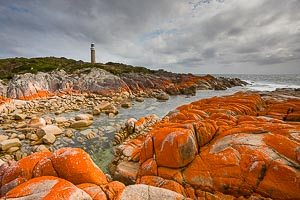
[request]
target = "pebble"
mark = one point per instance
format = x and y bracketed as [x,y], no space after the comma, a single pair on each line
[21,125]
[14,135]
[111,115]
[1,162]
[80,139]
[6,144]
[139,99]
[60,120]
[83,117]
[42,148]
[3,137]
[34,137]
[20,116]
[126,105]
[12,149]
[81,123]
[8,157]
[21,136]
[19,155]
[49,138]
[69,133]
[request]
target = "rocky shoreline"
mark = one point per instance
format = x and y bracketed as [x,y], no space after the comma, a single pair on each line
[31,101]
[217,148]
[98,81]
[243,146]
[222,148]
[238,146]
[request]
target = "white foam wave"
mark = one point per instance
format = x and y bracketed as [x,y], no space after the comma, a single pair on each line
[261,86]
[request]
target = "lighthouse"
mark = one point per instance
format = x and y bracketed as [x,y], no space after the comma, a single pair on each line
[93,53]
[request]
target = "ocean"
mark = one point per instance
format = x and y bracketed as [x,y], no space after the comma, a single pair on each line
[266,82]
[100,148]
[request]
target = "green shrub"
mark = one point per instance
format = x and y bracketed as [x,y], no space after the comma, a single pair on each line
[12,66]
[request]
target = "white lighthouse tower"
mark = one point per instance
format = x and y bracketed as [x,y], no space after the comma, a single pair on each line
[93,53]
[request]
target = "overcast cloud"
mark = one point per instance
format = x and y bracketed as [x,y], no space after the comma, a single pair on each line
[192,36]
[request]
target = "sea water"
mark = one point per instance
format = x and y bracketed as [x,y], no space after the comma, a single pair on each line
[266,82]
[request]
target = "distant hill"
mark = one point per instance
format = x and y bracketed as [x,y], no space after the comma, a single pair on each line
[12,66]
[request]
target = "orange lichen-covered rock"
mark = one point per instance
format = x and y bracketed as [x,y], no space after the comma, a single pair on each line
[93,190]
[52,175]
[126,172]
[72,164]
[146,149]
[163,183]
[4,100]
[12,184]
[197,174]
[205,131]
[177,116]
[237,146]
[171,174]
[174,147]
[295,116]
[38,94]
[113,190]
[280,181]
[37,122]
[21,170]
[284,146]
[149,168]
[76,166]
[47,188]
[44,168]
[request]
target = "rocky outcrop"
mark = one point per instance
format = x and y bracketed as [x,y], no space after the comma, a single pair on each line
[98,81]
[88,80]
[242,146]
[68,173]
[47,187]
[175,84]
[132,128]
[124,167]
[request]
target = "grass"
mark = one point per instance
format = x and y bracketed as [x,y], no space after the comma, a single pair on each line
[12,66]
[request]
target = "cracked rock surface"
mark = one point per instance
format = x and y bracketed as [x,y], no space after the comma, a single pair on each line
[244,146]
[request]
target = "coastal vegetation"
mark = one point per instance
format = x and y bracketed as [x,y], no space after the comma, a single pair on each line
[12,66]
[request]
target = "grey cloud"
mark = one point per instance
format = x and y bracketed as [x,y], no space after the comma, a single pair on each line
[159,33]
[209,53]
[190,62]
[246,49]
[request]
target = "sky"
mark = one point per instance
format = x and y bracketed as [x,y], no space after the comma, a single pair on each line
[186,36]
